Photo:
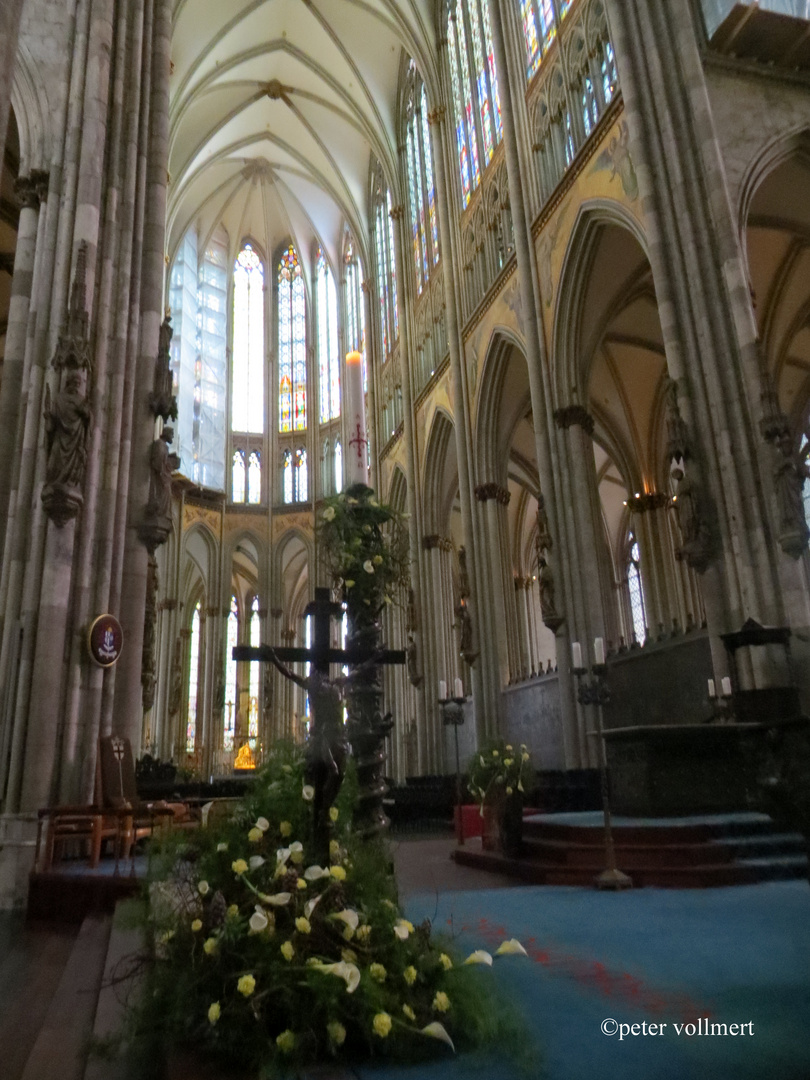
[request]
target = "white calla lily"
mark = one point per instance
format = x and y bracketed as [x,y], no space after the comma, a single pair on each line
[255,861]
[438,1031]
[402,929]
[512,947]
[480,956]
[315,873]
[348,916]
[310,905]
[258,922]
[262,823]
[350,973]
[280,899]
[282,855]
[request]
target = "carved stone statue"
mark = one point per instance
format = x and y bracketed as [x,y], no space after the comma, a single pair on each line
[414,674]
[463,576]
[694,549]
[176,687]
[67,422]
[790,473]
[162,401]
[66,426]
[545,579]
[465,628]
[162,464]
[544,540]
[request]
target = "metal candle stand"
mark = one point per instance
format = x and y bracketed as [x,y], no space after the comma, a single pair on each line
[595,692]
[453,713]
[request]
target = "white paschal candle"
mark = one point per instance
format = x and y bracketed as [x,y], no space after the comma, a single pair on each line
[599,650]
[576,654]
[459,687]
[442,690]
[356,458]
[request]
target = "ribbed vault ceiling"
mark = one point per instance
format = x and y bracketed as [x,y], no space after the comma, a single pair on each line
[277,107]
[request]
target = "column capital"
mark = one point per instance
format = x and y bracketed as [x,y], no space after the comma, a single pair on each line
[365,286]
[436,541]
[25,189]
[574,415]
[396,212]
[650,500]
[435,116]
[212,611]
[167,605]
[491,490]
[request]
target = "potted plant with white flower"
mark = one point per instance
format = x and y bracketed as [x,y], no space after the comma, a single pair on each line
[499,777]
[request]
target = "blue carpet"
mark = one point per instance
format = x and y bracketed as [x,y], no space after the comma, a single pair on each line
[736,955]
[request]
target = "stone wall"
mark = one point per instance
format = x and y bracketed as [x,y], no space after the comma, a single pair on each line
[532,716]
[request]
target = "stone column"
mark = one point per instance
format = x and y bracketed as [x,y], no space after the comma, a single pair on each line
[11,384]
[491,496]
[707,320]
[10,14]
[549,466]
[485,691]
[126,716]
[522,586]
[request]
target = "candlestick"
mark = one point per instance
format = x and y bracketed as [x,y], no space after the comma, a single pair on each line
[442,690]
[599,650]
[356,460]
[726,686]
[711,689]
[459,687]
[576,654]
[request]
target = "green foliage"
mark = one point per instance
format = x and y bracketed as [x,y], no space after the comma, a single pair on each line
[265,961]
[498,770]
[364,545]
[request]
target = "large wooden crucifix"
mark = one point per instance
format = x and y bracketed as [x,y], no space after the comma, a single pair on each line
[327,747]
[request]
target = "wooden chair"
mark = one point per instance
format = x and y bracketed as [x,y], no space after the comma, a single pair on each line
[116,792]
[64,825]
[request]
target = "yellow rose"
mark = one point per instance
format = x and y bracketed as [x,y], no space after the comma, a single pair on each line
[338,873]
[334,813]
[196,925]
[409,975]
[377,972]
[239,866]
[378,559]
[286,1041]
[210,946]
[233,911]
[285,828]
[509,747]
[203,888]
[334,849]
[329,513]
[302,925]
[246,985]
[255,835]
[363,933]
[301,884]
[337,1032]
[214,1012]
[297,857]
[349,955]
[287,950]
[409,1012]
[441,1002]
[445,961]
[507,761]
[382,1025]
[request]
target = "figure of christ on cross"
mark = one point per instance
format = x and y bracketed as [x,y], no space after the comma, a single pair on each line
[327,746]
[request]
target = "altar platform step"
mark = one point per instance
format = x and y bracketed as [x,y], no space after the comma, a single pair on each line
[696,852]
[71,890]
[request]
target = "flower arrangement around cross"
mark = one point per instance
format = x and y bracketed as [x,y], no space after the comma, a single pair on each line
[267,959]
[498,771]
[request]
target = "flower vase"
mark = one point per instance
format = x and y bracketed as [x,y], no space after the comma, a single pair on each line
[510,831]
[490,827]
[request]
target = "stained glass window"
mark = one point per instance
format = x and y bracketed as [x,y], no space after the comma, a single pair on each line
[421,192]
[193,680]
[253,686]
[292,343]
[539,28]
[238,480]
[247,405]
[339,468]
[254,477]
[474,83]
[230,677]
[636,590]
[386,268]
[328,350]
[610,79]
[287,476]
[428,175]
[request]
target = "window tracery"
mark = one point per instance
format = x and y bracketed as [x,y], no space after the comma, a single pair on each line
[229,717]
[328,352]
[193,679]
[386,265]
[247,404]
[635,589]
[253,685]
[292,343]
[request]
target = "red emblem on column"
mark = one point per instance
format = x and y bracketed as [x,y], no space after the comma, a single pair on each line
[105,640]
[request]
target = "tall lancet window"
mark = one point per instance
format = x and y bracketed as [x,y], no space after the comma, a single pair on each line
[247,405]
[474,84]
[255,477]
[386,265]
[292,344]
[253,686]
[355,307]
[238,477]
[339,467]
[300,478]
[328,351]
[232,634]
[635,589]
[193,679]
[424,228]
[287,476]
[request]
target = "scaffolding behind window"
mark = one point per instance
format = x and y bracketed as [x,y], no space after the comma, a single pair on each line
[636,590]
